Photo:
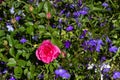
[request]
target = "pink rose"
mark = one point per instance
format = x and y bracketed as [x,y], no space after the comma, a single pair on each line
[47,51]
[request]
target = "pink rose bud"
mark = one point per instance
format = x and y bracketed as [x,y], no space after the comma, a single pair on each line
[63,54]
[47,52]
[48,15]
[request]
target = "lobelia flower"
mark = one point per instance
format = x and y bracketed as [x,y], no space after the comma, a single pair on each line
[47,52]
[12,78]
[9,26]
[62,73]
[83,34]
[41,76]
[69,28]
[68,14]
[67,44]
[105,4]
[108,40]
[99,44]
[83,12]
[76,14]
[12,10]
[1,19]
[17,18]
[23,40]
[105,67]
[35,38]
[113,49]
[116,75]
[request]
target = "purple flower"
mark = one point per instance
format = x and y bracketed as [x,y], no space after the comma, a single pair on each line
[79,3]
[116,75]
[41,76]
[108,40]
[103,58]
[62,11]
[105,4]
[113,49]
[76,14]
[12,10]
[62,73]
[17,18]
[1,19]
[23,40]
[68,14]
[5,70]
[67,44]
[35,38]
[83,34]
[69,28]
[65,75]
[12,78]
[60,20]
[105,70]
[9,26]
[99,44]
[83,12]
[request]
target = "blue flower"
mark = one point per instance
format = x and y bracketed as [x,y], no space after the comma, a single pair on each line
[67,44]
[83,34]
[108,40]
[12,78]
[116,75]
[76,14]
[9,26]
[1,19]
[105,4]
[99,44]
[12,10]
[41,76]
[62,73]
[105,70]
[113,49]
[69,28]
[83,12]
[17,18]
[23,40]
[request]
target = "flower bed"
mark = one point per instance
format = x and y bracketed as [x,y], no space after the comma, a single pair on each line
[59,39]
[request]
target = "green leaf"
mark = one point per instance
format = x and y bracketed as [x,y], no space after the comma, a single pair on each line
[30,30]
[12,52]
[46,6]
[40,6]
[41,15]
[18,72]
[25,71]
[11,62]
[21,63]
[29,23]
[11,40]
[22,29]
[2,33]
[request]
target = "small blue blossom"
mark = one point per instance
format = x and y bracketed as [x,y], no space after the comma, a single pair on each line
[62,73]
[108,40]
[1,19]
[35,38]
[23,40]
[12,10]
[105,4]
[83,12]
[83,34]
[9,26]
[67,44]
[69,28]
[12,78]
[17,18]
[116,75]
[113,49]
[41,76]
